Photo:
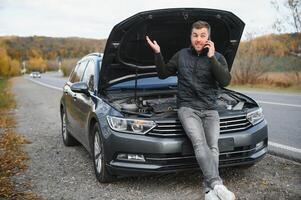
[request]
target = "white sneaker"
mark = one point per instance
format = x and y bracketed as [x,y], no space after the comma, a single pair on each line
[211,195]
[223,193]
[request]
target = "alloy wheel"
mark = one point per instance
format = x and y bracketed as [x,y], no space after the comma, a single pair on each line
[98,152]
[64,129]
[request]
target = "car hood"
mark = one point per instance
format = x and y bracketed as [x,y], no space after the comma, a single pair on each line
[128,56]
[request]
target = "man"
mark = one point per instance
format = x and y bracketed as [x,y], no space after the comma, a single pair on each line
[200,70]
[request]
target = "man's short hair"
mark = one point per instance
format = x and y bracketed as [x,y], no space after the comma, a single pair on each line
[201,24]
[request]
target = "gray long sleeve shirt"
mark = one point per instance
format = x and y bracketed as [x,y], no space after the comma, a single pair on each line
[199,77]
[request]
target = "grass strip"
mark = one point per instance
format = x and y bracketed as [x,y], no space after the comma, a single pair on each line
[13,158]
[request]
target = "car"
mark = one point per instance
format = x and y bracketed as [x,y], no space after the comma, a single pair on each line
[35,75]
[126,117]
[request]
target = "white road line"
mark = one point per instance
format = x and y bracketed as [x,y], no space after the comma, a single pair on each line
[280,104]
[270,93]
[281,146]
[44,84]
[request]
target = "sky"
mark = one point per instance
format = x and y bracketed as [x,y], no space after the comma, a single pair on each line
[96,18]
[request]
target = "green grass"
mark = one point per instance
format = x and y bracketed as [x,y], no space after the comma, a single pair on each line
[282,63]
[266,88]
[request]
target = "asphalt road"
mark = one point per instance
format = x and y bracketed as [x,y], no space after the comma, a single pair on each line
[282,111]
[284,120]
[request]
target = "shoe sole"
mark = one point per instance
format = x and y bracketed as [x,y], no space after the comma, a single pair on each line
[233,197]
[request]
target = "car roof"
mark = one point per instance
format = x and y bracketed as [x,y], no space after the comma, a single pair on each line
[95,56]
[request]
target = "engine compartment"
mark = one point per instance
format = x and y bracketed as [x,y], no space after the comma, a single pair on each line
[167,103]
[152,104]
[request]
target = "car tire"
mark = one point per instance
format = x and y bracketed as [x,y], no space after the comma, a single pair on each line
[68,139]
[99,157]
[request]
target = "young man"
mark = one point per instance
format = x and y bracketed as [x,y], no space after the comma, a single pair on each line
[200,70]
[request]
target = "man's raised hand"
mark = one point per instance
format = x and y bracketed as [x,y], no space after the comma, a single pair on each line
[154,45]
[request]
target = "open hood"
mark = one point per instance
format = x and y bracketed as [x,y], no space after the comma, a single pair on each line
[128,55]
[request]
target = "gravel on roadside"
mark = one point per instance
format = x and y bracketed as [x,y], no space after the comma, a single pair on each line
[59,172]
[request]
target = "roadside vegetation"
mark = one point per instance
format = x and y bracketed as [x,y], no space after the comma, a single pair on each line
[13,158]
[271,61]
[39,53]
[68,65]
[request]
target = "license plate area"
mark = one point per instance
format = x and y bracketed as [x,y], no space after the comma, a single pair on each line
[226,144]
[187,149]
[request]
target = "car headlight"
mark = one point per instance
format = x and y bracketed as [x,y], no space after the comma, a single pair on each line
[136,126]
[255,116]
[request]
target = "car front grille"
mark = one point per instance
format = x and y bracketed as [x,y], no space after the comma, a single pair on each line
[238,155]
[174,127]
[232,124]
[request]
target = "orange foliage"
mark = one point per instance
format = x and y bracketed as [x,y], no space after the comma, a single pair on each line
[8,66]
[266,46]
[14,67]
[37,64]
[255,56]
[4,62]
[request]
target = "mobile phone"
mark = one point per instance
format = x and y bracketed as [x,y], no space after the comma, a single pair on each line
[206,49]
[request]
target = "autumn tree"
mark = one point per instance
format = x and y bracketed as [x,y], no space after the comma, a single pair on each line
[252,59]
[8,66]
[14,67]
[290,21]
[37,64]
[4,62]
[34,53]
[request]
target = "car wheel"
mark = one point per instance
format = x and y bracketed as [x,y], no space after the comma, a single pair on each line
[98,156]
[68,139]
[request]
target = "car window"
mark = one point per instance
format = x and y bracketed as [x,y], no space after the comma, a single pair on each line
[78,72]
[73,74]
[89,75]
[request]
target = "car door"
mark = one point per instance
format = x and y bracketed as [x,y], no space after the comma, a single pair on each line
[84,103]
[73,112]
[68,100]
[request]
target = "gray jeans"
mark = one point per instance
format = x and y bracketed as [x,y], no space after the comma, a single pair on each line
[202,128]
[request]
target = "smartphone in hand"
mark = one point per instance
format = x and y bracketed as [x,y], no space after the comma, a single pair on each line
[205,48]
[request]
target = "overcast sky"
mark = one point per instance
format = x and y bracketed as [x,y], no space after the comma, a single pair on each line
[96,18]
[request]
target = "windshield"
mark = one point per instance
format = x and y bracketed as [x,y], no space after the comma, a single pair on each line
[147,83]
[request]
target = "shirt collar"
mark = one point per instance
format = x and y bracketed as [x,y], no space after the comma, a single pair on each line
[194,52]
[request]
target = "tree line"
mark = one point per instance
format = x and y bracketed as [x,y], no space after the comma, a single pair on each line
[36,51]
[269,53]
[255,56]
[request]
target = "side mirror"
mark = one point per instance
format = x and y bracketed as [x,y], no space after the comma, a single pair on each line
[80,87]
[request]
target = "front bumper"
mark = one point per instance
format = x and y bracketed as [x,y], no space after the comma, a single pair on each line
[176,154]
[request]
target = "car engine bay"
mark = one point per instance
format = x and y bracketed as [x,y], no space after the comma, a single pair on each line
[163,103]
